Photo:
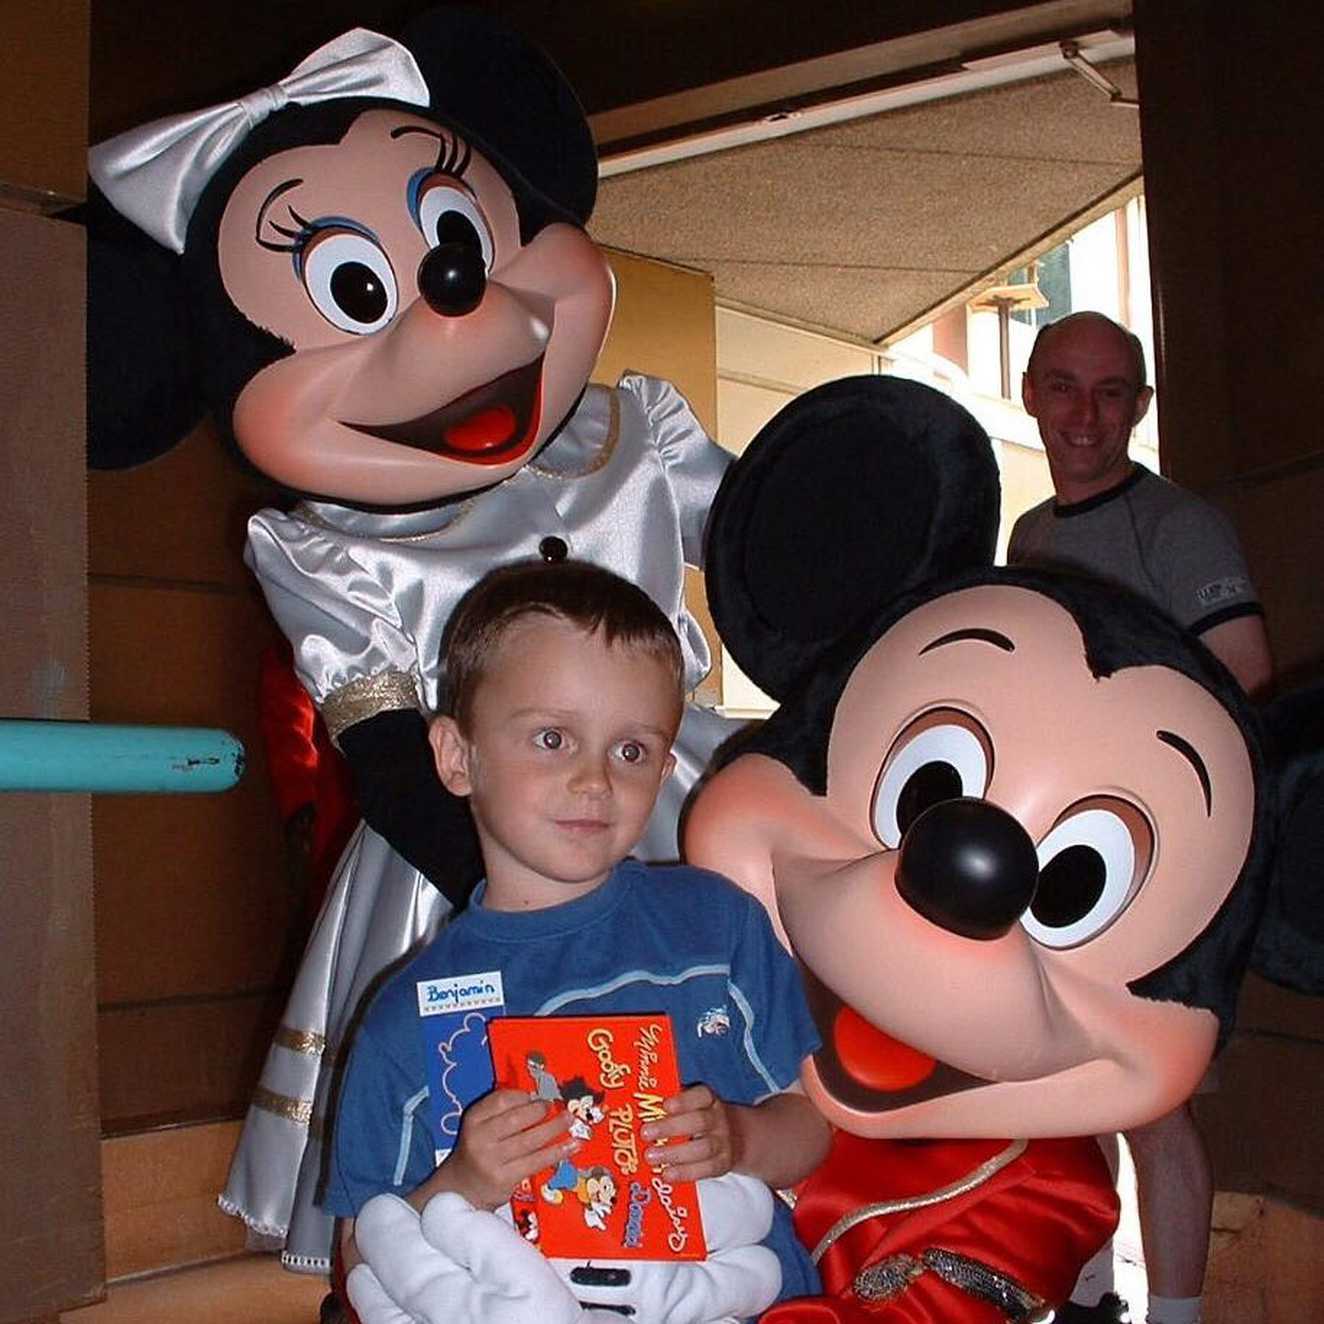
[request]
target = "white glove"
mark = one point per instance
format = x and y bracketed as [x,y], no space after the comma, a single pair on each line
[739,1278]
[458,1263]
[455,1264]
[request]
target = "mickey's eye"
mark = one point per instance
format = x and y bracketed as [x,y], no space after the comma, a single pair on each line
[943,755]
[349,279]
[448,215]
[1090,866]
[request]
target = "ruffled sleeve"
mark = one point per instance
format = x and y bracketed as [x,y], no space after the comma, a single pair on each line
[352,649]
[693,462]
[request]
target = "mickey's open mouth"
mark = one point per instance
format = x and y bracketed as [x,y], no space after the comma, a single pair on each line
[492,424]
[868,1070]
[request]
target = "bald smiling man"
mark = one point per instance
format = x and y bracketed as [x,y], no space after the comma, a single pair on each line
[1085,386]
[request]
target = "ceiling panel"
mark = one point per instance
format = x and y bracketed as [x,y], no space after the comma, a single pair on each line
[863,226]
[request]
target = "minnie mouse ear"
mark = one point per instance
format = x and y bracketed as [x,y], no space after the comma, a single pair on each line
[488,80]
[142,391]
[857,492]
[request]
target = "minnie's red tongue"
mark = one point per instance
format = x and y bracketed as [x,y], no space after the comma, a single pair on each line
[487,430]
[874,1058]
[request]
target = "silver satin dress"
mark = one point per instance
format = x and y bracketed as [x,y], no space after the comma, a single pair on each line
[363,599]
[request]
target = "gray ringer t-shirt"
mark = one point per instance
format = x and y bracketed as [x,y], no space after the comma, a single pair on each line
[1151,537]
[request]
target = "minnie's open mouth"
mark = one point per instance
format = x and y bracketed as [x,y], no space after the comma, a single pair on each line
[868,1070]
[492,424]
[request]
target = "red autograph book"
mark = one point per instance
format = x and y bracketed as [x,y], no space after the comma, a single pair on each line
[611,1074]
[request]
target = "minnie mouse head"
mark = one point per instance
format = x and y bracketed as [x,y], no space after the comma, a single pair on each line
[1007,822]
[388,294]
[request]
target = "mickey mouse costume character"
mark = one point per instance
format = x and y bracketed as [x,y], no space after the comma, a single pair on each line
[1011,826]
[376,276]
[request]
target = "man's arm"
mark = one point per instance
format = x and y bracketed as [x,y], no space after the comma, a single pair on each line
[1242,646]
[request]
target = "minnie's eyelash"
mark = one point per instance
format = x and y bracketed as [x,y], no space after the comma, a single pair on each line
[298,238]
[454,155]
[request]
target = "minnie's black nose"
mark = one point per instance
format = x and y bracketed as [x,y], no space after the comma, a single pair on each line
[452,279]
[968,867]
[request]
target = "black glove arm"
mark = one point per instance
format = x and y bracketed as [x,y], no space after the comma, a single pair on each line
[401,798]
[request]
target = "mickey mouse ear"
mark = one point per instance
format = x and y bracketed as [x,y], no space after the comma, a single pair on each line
[1289,945]
[857,492]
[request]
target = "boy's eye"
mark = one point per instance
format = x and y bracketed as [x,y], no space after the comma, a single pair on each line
[549,739]
[631,751]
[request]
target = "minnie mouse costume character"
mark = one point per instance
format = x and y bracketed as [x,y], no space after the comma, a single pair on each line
[1010,825]
[376,276]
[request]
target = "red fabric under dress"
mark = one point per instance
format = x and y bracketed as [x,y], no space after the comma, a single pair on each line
[1035,1221]
[305,767]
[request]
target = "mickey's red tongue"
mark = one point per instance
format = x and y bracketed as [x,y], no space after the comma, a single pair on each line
[487,430]
[874,1058]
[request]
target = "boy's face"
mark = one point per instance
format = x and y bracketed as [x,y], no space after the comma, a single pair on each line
[568,741]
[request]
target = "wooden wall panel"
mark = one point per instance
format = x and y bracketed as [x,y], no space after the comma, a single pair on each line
[50,1206]
[161,1198]
[1230,104]
[43,101]
[168,1062]
[197,934]
[1278,515]
[190,892]
[180,518]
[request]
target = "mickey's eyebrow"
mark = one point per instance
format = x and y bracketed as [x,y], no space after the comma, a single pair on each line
[983,636]
[1188,752]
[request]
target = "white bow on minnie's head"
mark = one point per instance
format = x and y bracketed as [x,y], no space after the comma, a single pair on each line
[154,174]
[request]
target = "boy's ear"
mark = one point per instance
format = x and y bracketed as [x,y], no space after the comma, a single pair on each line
[450,752]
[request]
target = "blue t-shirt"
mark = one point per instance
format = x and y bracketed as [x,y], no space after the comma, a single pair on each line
[650,939]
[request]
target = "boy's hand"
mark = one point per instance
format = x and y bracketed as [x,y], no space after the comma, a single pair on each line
[505,1137]
[707,1121]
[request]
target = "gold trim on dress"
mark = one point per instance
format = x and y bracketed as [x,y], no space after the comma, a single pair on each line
[981,1174]
[387,691]
[300,1041]
[299,1111]
[605,451]
[455,513]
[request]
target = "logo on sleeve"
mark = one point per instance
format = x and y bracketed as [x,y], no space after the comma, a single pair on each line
[1223,590]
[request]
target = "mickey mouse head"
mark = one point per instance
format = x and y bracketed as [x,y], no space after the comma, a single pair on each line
[1007,822]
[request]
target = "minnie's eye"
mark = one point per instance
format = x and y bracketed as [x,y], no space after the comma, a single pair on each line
[349,279]
[1090,866]
[943,755]
[448,215]
[549,739]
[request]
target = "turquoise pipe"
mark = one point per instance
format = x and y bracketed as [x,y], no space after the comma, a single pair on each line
[104,758]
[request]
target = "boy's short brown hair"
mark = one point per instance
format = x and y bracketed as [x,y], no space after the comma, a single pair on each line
[586,595]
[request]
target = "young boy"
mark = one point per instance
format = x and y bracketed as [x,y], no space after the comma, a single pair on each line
[565,690]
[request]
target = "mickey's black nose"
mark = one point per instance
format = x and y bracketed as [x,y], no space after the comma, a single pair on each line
[452,279]
[968,867]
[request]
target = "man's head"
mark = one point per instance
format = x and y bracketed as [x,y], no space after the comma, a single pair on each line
[565,688]
[1085,385]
